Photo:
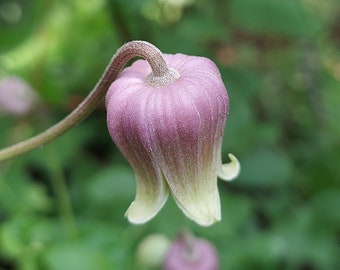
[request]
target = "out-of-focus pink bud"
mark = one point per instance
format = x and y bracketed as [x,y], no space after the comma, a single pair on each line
[16,96]
[190,253]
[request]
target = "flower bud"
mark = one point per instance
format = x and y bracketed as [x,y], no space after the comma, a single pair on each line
[151,251]
[170,128]
[16,96]
[190,253]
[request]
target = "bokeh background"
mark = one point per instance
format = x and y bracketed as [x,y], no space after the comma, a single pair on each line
[62,206]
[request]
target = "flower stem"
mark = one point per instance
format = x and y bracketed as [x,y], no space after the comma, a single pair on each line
[189,245]
[61,194]
[128,51]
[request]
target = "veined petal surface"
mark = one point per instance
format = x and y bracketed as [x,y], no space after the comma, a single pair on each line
[127,129]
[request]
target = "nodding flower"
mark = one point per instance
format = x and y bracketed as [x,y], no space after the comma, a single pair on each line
[170,128]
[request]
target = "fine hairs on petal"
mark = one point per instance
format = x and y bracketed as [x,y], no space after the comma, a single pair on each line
[231,170]
[167,78]
[150,198]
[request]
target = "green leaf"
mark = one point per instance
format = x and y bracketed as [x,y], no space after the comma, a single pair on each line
[18,20]
[273,17]
[69,256]
[265,167]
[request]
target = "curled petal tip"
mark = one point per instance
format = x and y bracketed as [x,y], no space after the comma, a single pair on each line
[203,220]
[231,170]
[201,203]
[140,214]
[207,223]
[150,198]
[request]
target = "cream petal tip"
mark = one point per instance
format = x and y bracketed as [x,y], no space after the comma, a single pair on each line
[140,213]
[205,211]
[203,221]
[207,222]
[231,170]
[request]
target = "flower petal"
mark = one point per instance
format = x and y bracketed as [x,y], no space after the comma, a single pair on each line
[126,117]
[151,195]
[231,170]
[185,127]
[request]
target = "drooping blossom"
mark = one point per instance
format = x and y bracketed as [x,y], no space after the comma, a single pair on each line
[170,129]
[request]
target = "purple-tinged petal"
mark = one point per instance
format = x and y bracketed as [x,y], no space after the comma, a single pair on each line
[189,119]
[127,132]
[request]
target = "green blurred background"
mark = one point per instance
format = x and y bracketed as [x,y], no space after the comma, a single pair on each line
[62,206]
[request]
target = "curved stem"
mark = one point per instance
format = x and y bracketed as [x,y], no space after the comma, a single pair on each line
[128,51]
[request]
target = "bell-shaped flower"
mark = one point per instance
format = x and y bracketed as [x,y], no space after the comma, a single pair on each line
[171,133]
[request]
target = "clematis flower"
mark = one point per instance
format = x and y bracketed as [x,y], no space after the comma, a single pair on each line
[170,130]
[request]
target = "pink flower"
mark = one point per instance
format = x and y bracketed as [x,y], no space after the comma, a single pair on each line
[170,130]
[16,96]
[190,253]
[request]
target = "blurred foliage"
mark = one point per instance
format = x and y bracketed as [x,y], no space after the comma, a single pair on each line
[62,206]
